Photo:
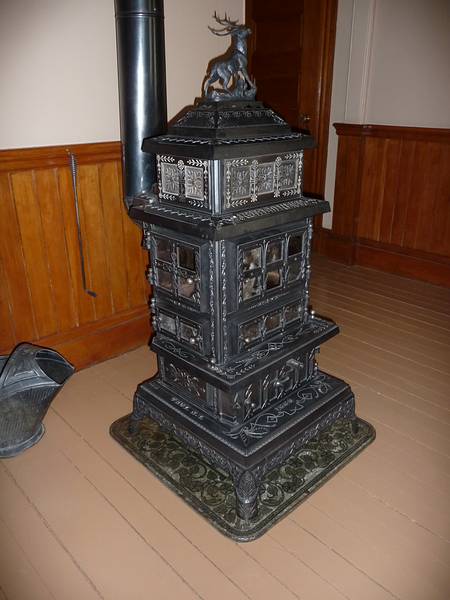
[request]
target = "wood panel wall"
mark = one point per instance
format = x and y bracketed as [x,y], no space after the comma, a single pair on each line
[42,299]
[392,201]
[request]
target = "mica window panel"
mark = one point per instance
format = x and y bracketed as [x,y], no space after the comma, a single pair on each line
[251,287]
[187,257]
[273,322]
[187,287]
[273,279]
[167,323]
[251,331]
[165,280]
[294,271]
[188,332]
[194,341]
[164,250]
[251,258]
[274,251]
[292,313]
[295,245]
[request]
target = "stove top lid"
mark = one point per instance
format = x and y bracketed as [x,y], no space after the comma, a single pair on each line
[220,129]
[225,120]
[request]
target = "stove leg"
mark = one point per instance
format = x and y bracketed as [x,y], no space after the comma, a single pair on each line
[133,424]
[136,416]
[355,426]
[246,489]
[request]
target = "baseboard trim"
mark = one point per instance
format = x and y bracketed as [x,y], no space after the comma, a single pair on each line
[432,268]
[334,246]
[96,342]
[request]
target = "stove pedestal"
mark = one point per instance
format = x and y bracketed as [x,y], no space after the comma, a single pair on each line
[243,480]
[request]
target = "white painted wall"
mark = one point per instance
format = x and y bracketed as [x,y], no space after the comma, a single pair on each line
[392,67]
[58,69]
[410,68]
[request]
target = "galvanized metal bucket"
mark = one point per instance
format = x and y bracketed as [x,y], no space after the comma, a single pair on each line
[30,378]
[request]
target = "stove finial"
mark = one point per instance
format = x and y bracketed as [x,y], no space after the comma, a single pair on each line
[231,69]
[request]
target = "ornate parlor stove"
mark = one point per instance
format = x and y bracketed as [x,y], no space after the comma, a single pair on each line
[239,420]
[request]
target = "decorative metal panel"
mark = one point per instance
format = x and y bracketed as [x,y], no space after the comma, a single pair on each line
[170,181]
[265,178]
[184,380]
[194,182]
[183,181]
[256,180]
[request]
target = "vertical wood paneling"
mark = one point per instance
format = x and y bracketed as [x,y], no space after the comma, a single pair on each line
[84,302]
[347,183]
[404,192]
[428,203]
[372,188]
[391,189]
[47,192]
[14,266]
[113,209]
[93,226]
[441,216]
[417,196]
[392,200]
[7,338]
[137,290]
[35,252]
[42,299]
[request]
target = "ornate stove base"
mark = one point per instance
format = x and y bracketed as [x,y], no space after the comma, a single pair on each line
[244,480]
[211,492]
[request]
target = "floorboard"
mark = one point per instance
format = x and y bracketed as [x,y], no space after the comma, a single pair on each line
[80,518]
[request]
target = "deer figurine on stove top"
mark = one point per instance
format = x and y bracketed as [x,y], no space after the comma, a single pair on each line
[231,71]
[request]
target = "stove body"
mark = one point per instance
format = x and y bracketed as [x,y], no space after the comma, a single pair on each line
[219,197]
[229,235]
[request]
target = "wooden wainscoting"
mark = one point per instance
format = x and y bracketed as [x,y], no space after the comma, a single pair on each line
[42,299]
[392,201]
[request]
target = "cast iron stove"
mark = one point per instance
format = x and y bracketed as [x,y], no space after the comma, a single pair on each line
[238,420]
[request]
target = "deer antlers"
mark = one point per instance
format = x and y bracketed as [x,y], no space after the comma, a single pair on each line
[228,25]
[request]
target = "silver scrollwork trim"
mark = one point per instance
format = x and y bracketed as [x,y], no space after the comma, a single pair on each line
[224,297]
[212,300]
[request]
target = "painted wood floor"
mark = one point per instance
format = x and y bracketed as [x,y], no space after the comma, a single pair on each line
[81,519]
